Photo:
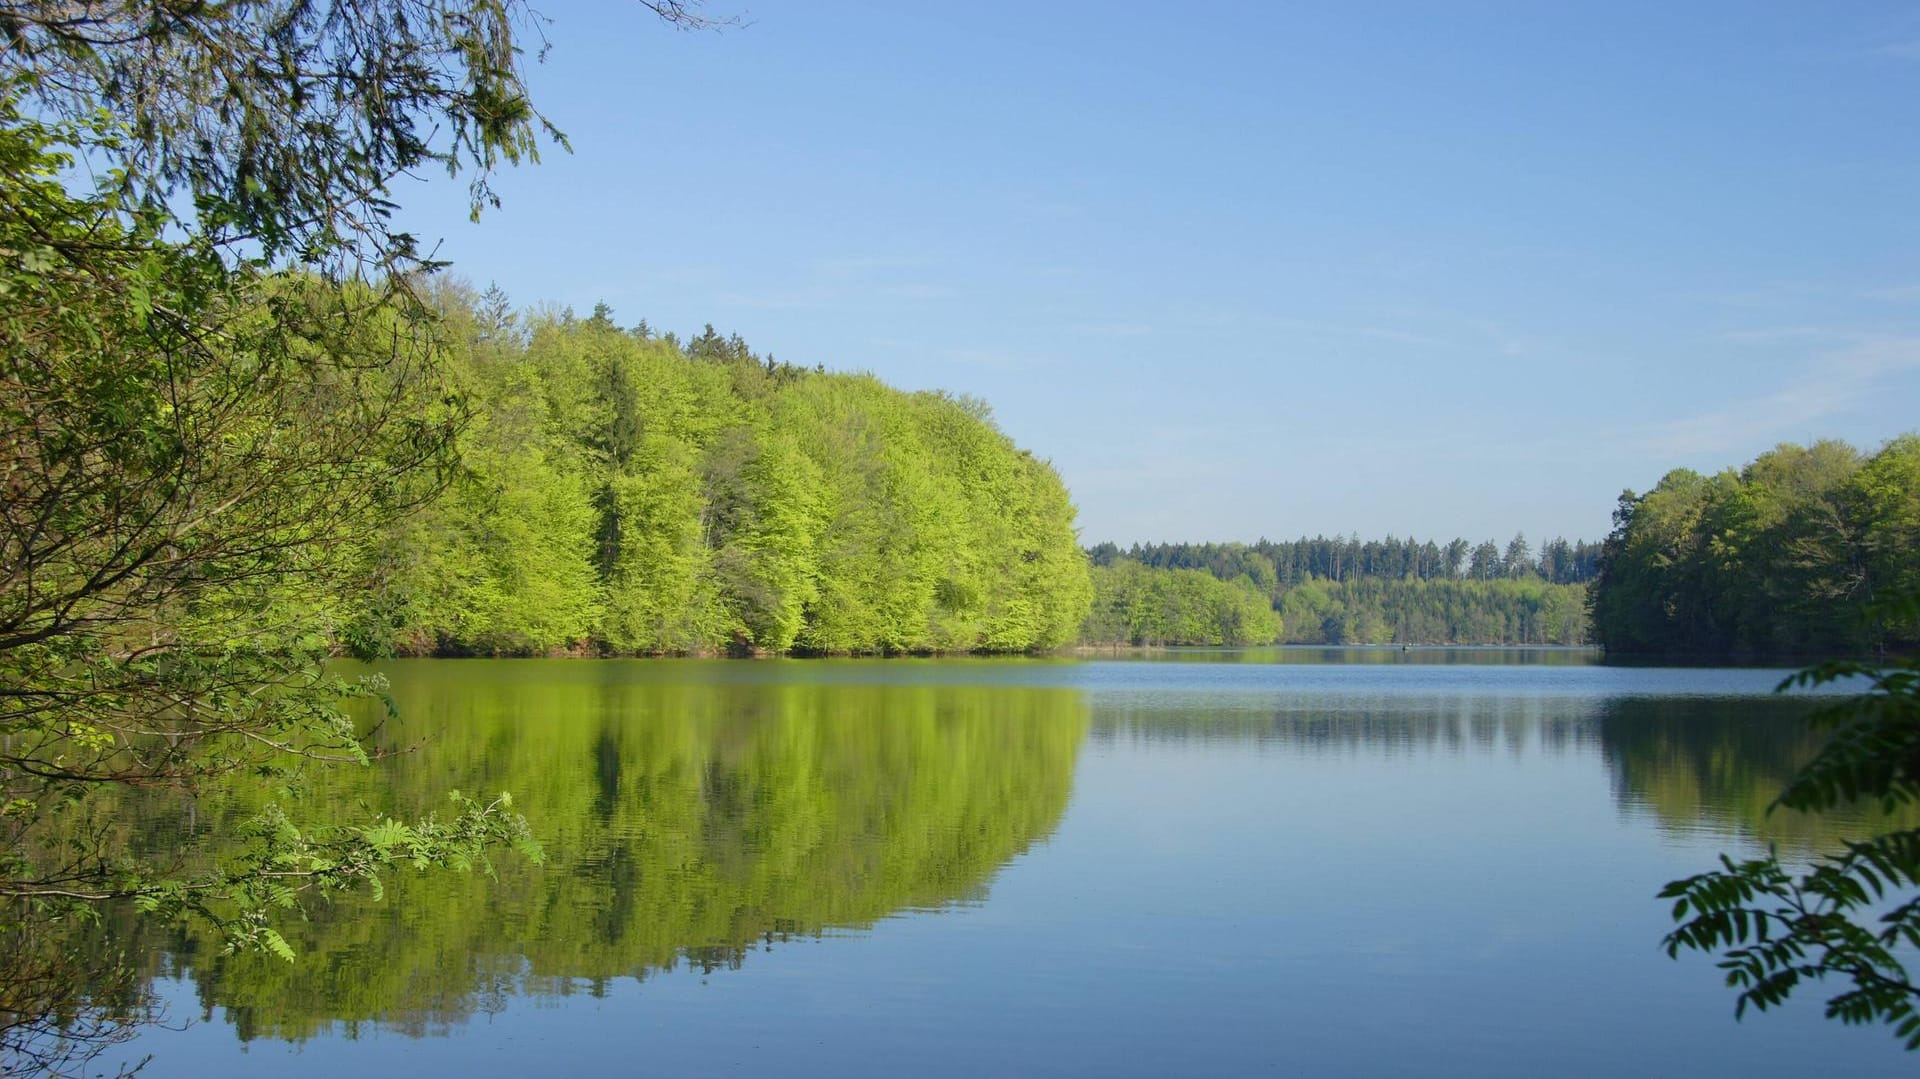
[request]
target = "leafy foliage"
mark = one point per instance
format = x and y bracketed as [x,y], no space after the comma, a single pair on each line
[183,448]
[1848,915]
[276,862]
[281,123]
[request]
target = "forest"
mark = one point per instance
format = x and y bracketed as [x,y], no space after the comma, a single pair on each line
[624,492]
[1342,591]
[1792,554]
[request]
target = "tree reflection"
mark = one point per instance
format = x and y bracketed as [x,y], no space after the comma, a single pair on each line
[1716,765]
[70,990]
[1692,763]
[691,815]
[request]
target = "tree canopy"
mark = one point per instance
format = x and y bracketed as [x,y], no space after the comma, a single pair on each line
[623,494]
[1783,556]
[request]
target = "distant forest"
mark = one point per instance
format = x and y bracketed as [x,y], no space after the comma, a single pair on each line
[1342,591]
[1289,562]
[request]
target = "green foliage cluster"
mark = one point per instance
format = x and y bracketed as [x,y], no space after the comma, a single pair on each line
[1136,605]
[1780,557]
[627,494]
[1849,915]
[272,129]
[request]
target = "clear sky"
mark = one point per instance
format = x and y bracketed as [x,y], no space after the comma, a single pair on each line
[1264,268]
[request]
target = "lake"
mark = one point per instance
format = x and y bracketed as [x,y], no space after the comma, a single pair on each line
[1305,861]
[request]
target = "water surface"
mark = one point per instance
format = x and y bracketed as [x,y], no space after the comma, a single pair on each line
[1438,862]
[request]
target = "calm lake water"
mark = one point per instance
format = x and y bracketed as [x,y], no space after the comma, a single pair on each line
[1287,861]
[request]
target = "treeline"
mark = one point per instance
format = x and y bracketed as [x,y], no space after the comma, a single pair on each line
[1271,565]
[1334,591]
[1784,556]
[623,492]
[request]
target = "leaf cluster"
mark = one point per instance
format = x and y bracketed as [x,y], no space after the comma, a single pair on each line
[282,122]
[276,864]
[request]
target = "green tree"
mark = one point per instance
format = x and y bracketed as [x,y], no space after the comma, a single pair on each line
[1485,562]
[1518,561]
[734,506]
[1883,501]
[215,389]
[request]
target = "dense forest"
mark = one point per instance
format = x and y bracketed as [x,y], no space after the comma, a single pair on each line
[1784,556]
[627,492]
[1342,591]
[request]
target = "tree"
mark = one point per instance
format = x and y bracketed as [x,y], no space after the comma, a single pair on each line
[215,382]
[1485,564]
[1518,561]
[1557,562]
[1845,915]
[1883,501]
[282,122]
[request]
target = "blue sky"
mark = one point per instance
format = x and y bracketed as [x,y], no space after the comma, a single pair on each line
[1264,269]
